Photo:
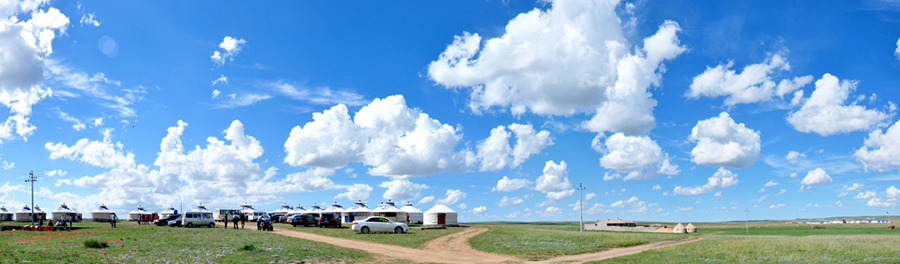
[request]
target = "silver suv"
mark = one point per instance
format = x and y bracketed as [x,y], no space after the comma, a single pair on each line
[192,219]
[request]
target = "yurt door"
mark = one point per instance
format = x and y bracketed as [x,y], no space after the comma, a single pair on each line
[442,219]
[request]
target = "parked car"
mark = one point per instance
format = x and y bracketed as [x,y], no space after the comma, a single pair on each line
[192,219]
[329,219]
[286,217]
[277,217]
[165,221]
[302,219]
[378,224]
[176,221]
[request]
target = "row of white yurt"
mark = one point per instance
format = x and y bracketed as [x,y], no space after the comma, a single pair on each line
[413,215]
[65,213]
[24,215]
[315,210]
[358,211]
[5,215]
[298,209]
[440,215]
[102,214]
[390,210]
[169,211]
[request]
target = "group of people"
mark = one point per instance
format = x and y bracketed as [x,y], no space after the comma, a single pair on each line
[235,218]
[145,219]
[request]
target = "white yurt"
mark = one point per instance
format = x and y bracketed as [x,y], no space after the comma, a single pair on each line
[390,210]
[102,214]
[284,209]
[252,213]
[679,229]
[137,213]
[413,215]
[5,215]
[298,209]
[315,210]
[169,211]
[690,228]
[440,215]
[357,211]
[24,215]
[64,212]
[202,208]
[335,208]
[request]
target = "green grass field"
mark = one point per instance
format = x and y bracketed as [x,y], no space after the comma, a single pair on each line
[413,239]
[130,243]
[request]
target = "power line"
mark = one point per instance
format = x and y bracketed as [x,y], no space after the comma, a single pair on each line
[581,213]
[32,179]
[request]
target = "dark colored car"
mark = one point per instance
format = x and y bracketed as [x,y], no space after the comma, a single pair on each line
[302,219]
[176,221]
[329,219]
[165,221]
[277,217]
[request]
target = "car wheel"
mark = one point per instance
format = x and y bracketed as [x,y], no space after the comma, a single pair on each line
[398,230]
[364,230]
[190,225]
[305,225]
[211,225]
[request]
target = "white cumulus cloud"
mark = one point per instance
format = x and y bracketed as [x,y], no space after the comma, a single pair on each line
[816,177]
[637,156]
[507,201]
[507,185]
[893,192]
[772,183]
[793,155]
[393,139]
[880,151]
[230,48]
[453,196]
[878,202]
[480,211]
[723,178]
[753,84]
[865,195]
[554,178]
[495,152]
[357,192]
[530,67]
[402,189]
[825,113]
[722,142]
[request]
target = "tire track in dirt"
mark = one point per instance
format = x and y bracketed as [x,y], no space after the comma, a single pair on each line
[453,248]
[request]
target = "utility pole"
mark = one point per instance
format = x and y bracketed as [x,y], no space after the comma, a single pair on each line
[798,219]
[748,219]
[581,213]
[32,179]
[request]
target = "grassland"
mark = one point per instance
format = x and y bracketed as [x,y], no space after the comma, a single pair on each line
[130,243]
[544,240]
[413,239]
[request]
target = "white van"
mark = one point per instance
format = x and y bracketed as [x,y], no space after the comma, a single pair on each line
[219,214]
[253,216]
[192,219]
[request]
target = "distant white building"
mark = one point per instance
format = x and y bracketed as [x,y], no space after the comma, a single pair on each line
[679,228]
[413,215]
[440,215]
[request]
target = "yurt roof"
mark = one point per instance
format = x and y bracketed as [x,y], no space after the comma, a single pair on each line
[169,210]
[3,209]
[315,208]
[63,208]
[37,208]
[387,207]
[689,226]
[26,209]
[102,209]
[284,208]
[335,207]
[679,226]
[139,210]
[298,209]
[440,208]
[358,206]
[247,206]
[408,207]
[201,208]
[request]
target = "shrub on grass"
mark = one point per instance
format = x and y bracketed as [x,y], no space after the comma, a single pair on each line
[95,244]
[249,247]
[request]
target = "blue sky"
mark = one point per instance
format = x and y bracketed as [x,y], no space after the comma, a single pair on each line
[675,111]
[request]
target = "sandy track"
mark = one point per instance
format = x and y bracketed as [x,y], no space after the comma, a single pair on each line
[453,248]
[618,252]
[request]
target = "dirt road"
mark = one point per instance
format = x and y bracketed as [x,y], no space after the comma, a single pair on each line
[618,252]
[453,248]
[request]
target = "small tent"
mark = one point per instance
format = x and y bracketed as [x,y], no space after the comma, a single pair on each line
[413,215]
[64,213]
[5,215]
[169,211]
[390,210]
[691,228]
[357,211]
[137,213]
[335,208]
[440,215]
[679,229]
[102,214]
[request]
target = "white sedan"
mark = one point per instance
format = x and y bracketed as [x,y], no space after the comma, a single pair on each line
[379,224]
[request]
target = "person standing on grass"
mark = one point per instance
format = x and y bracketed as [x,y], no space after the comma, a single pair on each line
[234,219]
[258,223]
[243,220]
[226,221]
